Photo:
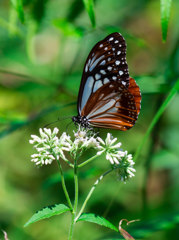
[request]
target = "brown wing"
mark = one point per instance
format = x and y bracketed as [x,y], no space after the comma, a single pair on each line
[106,62]
[114,106]
[135,91]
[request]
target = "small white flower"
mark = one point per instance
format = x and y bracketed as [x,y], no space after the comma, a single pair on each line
[92,142]
[43,134]
[112,151]
[47,131]
[126,167]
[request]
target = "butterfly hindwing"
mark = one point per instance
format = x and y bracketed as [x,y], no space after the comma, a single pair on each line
[112,106]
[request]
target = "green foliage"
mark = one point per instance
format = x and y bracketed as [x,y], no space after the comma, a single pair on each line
[165,6]
[145,229]
[18,5]
[89,6]
[68,28]
[93,218]
[158,114]
[47,212]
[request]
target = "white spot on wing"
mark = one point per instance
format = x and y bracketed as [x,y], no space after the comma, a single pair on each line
[119,52]
[97,85]
[102,71]
[106,80]
[114,77]
[124,83]
[97,76]
[121,73]
[109,68]
[116,41]
[106,48]
[117,62]
[103,62]
[111,38]
[101,45]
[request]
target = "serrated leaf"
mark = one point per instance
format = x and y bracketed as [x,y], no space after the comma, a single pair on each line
[165,6]
[18,5]
[89,6]
[48,212]
[93,218]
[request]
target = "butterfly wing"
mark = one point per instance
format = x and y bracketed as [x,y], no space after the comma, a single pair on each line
[105,63]
[114,106]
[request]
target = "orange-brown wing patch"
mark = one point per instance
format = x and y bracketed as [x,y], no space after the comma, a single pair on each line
[112,106]
[135,91]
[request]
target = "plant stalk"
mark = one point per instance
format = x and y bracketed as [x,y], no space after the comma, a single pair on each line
[71,226]
[75,201]
[64,185]
[87,161]
[91,191]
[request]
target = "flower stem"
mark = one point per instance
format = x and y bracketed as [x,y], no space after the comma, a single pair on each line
[71,226]
[91,191]
[87,161]
[73,213]
[76,186]
[64,186]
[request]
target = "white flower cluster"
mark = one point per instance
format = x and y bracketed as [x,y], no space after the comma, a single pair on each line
[50,147]
[126,167]
[84,139]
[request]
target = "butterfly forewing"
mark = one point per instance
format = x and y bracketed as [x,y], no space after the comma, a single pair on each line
[105,63]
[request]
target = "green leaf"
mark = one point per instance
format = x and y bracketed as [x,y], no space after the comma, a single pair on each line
[18,5]
[162,108]
[91,217]
[68,29]
[89,6]
[165,6]
[48,212]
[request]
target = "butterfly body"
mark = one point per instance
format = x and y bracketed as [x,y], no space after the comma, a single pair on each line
[82,120]
[108,97]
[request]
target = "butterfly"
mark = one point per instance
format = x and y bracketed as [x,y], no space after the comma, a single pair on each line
[108,97]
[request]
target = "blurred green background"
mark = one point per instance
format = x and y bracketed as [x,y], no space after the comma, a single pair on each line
[43,48]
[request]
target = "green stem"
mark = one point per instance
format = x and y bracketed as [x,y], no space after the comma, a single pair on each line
[87,161]
[76,187]
[91,191]
[75,201]
[71,226]
[64,186]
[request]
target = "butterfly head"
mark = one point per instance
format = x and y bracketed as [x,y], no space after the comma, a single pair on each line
[81,120]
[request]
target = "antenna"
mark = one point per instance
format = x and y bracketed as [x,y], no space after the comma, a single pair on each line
[58,120]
